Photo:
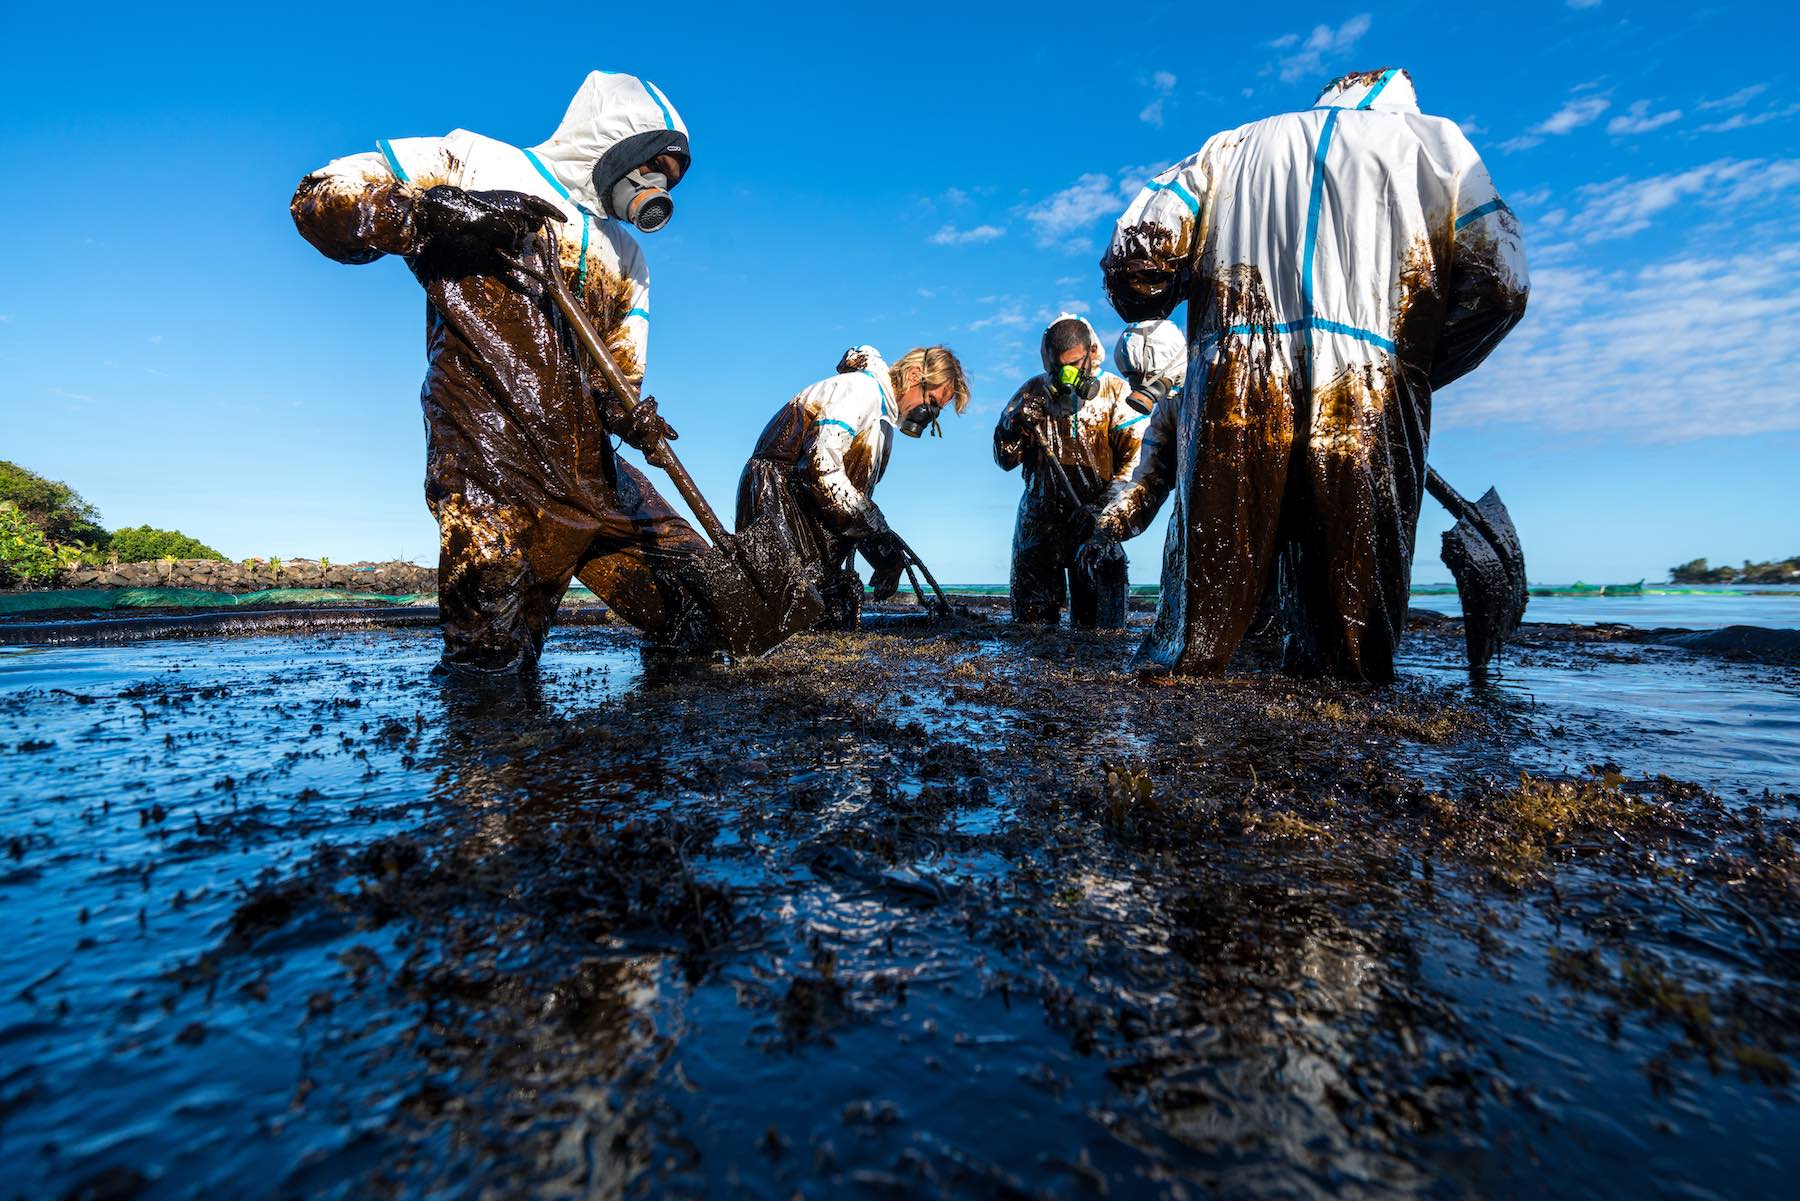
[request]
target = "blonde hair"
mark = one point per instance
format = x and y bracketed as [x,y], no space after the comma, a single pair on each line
[936,365]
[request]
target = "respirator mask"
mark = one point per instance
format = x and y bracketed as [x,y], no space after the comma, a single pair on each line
[631,182]
[1146,394]
[1073,379]
[643,199]
[914,423]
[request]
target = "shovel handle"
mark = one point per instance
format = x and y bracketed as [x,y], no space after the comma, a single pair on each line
[1459,508]
[913,560]
[590,340]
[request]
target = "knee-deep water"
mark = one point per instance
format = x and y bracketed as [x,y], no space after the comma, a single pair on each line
[940,911]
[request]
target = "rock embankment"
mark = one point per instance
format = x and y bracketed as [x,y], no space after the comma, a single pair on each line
[255,575]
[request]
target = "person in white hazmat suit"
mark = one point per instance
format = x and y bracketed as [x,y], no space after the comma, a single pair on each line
[520,469]
[1153,358]
[818,460]
[1339,265]
[1074,430]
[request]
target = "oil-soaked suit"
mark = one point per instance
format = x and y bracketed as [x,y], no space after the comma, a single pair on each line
[1338,264]
[1096,446]
[520,472]
[816,465]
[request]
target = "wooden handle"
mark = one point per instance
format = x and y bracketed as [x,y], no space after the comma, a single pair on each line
[590,340]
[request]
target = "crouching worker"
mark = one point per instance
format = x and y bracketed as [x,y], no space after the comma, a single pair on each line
[817,462]
[1075,430]
[520,470]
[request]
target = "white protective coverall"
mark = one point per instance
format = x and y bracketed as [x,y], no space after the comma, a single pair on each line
[1092,448]
[1153,355]
[520,471]
[816,464]
[1338,264]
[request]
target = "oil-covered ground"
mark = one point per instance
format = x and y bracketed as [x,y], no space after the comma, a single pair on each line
[958,911]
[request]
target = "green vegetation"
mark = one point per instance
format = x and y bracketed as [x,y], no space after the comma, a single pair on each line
[46,528]
[26,556]
[54,508]
[1776,571]
[141,544]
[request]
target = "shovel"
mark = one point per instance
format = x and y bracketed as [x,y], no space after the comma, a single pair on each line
[756,590]
[1483,552]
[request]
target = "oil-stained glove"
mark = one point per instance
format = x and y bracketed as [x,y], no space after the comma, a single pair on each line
[643,428]
[498,220]
[1100,551]
[887,558]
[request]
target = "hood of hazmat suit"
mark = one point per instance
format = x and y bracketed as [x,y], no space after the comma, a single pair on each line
[816,465]
[1151,353]
[1339,265]
[1072,452]
[520,470]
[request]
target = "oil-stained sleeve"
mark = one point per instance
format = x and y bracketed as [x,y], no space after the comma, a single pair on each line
[358,208]
[1147,264]
[634,330]
[1012,434]
[841,416]
[1134,500]
[1126,433]
[1488,282]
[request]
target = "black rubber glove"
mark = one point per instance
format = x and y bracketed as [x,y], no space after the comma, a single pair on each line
[887,560]
[643,428]
[495,220]
[1100,551]
[1087,521]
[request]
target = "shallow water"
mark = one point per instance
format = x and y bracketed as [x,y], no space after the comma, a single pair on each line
[1769,607]
[1659,709]
[288,916]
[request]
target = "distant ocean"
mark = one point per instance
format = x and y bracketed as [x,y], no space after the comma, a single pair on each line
[1774,606]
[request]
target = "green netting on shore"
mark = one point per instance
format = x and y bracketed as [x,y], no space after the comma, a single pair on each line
[191,598]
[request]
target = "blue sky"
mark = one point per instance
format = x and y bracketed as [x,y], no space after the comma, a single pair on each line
[170,346]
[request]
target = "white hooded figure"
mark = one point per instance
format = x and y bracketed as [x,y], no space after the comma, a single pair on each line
[520,469]
[1339,264]
[1075,431]
[1153,358]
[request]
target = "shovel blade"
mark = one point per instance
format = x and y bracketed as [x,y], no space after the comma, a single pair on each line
[753,591]
[1489,568]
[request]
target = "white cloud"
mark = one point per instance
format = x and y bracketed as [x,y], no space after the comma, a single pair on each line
[1059,218]
[1691,339]
[1470,126]
[1639,119]
[956,196]
[949,235]
[1163,84]
[1570,117]
[1737,99]
[1750,120]
[1010,315]
[1737,188]
[1529,198]
[1584,3]
[1323,42]
[1686,347]
[1573,116]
